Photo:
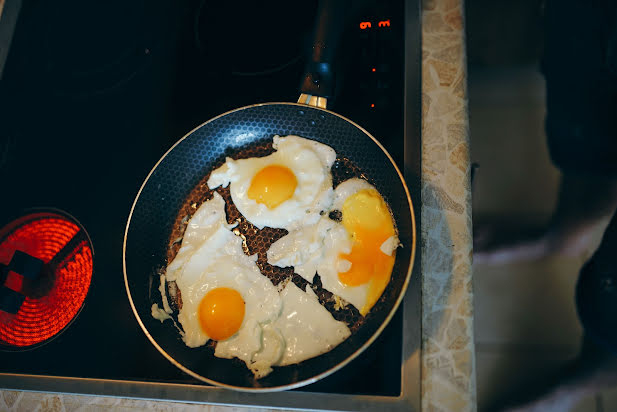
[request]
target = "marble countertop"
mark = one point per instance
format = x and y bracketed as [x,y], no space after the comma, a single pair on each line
[448,356]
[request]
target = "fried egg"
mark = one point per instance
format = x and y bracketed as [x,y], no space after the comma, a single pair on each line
[354,258]
[286,189]
[359,272]
[224,295]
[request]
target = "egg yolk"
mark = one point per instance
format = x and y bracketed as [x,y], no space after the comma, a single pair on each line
[368,221]
[273,185]
[221,313]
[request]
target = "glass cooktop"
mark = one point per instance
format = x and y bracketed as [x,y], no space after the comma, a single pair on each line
[93,94]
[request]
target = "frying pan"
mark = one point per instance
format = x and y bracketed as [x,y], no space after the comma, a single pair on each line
[177,185]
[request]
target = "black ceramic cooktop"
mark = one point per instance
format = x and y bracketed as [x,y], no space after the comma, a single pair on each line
[94,93]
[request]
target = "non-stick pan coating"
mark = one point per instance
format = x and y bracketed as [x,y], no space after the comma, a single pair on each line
[177,185]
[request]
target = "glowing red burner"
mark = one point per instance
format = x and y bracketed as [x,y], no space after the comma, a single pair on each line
[57,294]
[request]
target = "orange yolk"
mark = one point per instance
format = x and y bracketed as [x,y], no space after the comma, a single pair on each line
[367,219]
[221,313]
[272,185]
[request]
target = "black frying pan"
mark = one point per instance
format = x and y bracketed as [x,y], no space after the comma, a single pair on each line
[176,186]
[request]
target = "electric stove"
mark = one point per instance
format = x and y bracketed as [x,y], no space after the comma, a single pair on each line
[92,94]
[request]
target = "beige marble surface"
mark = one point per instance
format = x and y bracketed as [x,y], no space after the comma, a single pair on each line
[448,361]
[448,356]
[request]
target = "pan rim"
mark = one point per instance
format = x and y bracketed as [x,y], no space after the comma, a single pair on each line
[336,367]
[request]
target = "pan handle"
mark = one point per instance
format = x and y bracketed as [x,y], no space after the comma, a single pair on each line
[318,82]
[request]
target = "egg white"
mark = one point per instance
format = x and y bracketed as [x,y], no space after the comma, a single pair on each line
[307,328]
[303,248]
[310,161]
[304,330]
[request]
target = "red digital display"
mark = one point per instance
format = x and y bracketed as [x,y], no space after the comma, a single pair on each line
[369,25]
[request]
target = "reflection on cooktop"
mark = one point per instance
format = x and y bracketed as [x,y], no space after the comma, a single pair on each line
[93,47]
[253,38]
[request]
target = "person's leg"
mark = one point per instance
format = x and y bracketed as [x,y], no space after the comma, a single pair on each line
[584,208]
[595,368]
[581,131]
[593,371]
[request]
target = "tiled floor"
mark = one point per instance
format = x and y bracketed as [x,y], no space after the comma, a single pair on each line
[526,323]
